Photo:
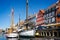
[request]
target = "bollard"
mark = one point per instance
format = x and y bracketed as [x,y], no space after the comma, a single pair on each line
[46,33]
[49,34]
[53,34]
[43,34]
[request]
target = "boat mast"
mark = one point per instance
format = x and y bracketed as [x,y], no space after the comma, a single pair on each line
[26,14]
[26,10]
[12,18]
[19,20]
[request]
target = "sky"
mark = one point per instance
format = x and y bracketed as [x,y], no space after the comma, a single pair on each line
[20,9]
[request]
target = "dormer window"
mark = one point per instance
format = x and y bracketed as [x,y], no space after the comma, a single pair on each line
[54,8]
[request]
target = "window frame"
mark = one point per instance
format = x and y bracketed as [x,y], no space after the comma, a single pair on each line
[53,19]
[49,20]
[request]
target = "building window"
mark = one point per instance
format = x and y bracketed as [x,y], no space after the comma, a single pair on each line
[49,10]
[49,20]
[46,21]
[53,8]
[58,15]
[53,13]
[49,14]
[45,16]
[53,19]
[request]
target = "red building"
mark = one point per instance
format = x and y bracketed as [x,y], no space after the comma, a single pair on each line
[40,18]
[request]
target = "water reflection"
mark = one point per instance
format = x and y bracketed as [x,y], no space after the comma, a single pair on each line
[18,39]
[1,34]
[32,39]
[37,39]
[4,38]
[12,38]
[25,39]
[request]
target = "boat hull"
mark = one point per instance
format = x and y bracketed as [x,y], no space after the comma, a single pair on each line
[27,33]
[12,35]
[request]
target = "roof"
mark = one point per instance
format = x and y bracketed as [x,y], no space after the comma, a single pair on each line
[41,11]
[54,4]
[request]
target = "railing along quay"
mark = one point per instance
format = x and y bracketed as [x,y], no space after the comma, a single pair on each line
[49,33]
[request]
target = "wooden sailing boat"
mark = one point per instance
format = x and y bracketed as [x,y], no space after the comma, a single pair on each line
[27,32]
[12,32]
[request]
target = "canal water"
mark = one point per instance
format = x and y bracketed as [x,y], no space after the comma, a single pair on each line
[2,37]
